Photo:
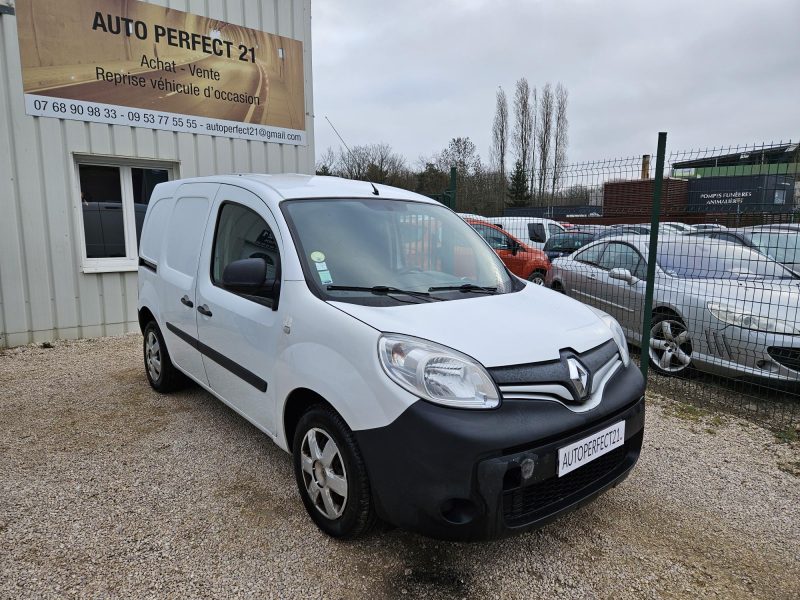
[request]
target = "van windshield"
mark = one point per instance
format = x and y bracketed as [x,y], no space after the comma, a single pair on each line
[389,252]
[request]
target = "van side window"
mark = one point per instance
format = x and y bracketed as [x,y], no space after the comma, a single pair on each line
[241,233]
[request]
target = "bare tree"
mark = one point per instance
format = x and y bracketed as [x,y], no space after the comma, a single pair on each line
[375,162]
[544,136]
[327,163]
[500,134]
[560,137]
[535,111]
[522,139]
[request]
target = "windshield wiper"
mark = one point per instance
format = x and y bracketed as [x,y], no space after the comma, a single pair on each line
[381,289]
[465,287]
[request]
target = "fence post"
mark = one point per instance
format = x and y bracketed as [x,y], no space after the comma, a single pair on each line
[652,254]
[452,187]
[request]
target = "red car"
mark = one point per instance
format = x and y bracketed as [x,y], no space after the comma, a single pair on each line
[522,260]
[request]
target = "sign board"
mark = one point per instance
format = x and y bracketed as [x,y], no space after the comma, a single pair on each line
[741,193]
[132,63]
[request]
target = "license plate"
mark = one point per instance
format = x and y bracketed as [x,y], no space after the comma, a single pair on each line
[594,446]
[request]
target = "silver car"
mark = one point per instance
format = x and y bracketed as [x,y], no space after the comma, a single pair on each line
[719,307]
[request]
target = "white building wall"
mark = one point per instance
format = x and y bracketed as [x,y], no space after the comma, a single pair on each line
[44,295]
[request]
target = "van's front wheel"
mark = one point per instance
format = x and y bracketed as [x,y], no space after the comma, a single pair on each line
[331,475]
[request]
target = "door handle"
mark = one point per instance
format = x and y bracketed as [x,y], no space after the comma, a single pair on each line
[186,302]
[204,310]
[592,276]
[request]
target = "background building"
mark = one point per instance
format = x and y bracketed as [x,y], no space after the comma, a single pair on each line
[80,152]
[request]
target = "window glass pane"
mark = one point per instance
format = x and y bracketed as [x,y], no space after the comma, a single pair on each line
[393,243]
[717,261]
[143,181]
[783,246]
[591,255]
[621,256]
[101,200]
[536,232]
[241,233]
[554,229]
[496,239]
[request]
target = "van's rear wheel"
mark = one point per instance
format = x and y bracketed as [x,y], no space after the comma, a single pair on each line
[331,475]
[161,373]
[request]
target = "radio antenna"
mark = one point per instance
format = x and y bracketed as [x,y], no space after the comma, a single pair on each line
[350,152]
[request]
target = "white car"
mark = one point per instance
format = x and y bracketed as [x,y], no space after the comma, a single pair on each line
[675,227]
[533,231]
[375,336]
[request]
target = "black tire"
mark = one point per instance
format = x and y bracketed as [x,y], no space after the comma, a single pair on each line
[680,350]
[556,286]
[357,516]
[166,378]
[537,277]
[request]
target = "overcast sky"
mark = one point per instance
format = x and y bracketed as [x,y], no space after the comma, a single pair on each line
[416,73]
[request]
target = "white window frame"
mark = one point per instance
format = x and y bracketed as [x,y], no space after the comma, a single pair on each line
[131,260]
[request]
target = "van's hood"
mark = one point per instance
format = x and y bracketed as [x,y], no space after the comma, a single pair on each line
[531,325]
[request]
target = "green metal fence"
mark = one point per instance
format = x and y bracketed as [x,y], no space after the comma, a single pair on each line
[697,256]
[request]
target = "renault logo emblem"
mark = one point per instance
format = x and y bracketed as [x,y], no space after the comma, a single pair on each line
[579,377]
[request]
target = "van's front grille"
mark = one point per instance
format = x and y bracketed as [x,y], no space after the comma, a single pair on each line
[526,504]
[552,378]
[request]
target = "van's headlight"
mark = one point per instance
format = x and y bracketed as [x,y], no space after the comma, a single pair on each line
[617,333]
[437,373]
[747,320]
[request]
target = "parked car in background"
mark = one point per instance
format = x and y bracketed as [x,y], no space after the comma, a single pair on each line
[522,260]
[534,231]
[719,307]
[732,236]
[639,229]
[598,229]
[564,244]
[675,227]
[779,242]
[709,227]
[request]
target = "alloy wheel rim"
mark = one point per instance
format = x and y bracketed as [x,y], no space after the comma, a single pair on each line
[670,347]
[152,352]
[324,475]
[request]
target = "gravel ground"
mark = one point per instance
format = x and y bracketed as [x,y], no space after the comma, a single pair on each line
[109,489]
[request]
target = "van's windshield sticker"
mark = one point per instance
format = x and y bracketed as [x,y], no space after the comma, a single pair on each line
[317,256]
[325,277]
[321,266]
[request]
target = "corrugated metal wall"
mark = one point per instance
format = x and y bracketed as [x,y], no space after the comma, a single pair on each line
[43,293]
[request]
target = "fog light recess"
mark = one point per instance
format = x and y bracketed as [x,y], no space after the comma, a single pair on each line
[459,511]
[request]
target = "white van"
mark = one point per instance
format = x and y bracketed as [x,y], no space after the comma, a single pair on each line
[373,334]
[534,231]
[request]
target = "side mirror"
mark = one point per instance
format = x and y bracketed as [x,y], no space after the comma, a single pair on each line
[248,276]
[623,275]
[514,248]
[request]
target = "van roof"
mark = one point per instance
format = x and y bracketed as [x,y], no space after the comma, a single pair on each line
[293,185]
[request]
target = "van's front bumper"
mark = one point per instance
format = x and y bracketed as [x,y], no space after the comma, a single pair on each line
[458,474]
